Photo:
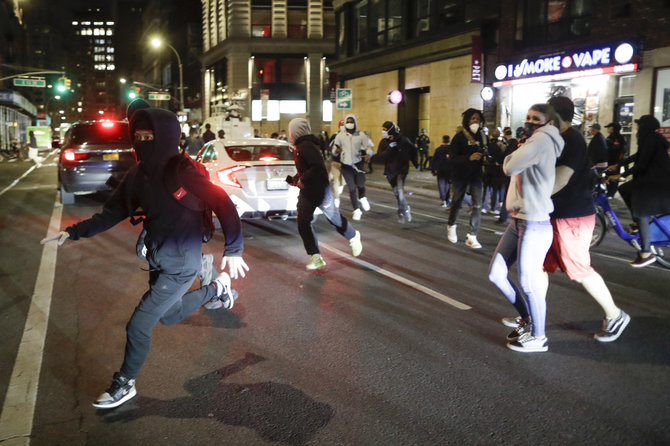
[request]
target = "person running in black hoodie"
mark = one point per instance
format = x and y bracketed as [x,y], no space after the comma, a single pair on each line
[312,179]
[396,151]
[173,240]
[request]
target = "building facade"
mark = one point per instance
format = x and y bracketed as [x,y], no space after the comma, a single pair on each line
[611,57]
[266,59]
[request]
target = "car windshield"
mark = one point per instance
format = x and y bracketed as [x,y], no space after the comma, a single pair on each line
[101,133]
[259,153]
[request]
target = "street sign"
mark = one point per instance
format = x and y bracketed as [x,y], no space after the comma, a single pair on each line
[344,97]
[27,82]
[159,96]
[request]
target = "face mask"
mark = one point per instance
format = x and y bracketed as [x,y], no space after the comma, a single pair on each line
[474,128]
[529,128]
[385,134]
[350,125]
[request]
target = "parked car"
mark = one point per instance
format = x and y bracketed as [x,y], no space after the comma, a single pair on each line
[95,156]
[253,172]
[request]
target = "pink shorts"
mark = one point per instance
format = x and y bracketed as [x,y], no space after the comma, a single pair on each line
[570,248]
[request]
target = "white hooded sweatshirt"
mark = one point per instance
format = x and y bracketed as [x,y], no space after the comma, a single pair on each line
[352,144]
[533,170]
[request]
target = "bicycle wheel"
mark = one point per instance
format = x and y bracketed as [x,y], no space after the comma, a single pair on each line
[599,230]
[662,255]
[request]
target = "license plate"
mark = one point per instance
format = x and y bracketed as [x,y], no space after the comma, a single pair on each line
[276,184]
[110,156]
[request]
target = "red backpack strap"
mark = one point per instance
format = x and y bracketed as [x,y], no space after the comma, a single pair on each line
[174,184]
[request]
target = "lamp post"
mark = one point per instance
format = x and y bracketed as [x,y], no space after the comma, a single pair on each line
[156,42]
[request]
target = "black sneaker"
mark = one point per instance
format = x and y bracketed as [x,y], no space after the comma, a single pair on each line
[640,261]
[121,390]
[612,328]
[523,327]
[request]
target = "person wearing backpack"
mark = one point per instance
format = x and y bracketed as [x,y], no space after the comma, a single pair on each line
[173,240]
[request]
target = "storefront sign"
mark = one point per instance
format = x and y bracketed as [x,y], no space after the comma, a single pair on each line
[476,73]
[621,57]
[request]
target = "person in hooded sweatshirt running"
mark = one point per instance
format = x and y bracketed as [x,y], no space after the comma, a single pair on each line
[353,148]
[529,235]
[312,179]
[173,240]
[396,151]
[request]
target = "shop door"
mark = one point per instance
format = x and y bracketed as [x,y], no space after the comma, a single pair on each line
[623,114]
[408,114]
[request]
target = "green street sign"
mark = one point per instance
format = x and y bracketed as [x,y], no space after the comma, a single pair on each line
[344,97]
[159,96]
[26,82]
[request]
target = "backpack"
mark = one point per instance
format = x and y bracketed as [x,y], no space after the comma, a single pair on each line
[174,185]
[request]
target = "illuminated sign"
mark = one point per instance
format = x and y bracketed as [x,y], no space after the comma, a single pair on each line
[395,97]
[618,58]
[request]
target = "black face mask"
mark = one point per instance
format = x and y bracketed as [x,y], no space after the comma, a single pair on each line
[530,127]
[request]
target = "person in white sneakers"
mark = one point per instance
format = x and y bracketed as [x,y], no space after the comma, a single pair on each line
[354,148]
[529,235]
[468,155]
[315,192]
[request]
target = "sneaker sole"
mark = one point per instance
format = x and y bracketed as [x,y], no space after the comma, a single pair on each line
[126,397]
[527,349]
[643,264]
[615,337]
[509,324]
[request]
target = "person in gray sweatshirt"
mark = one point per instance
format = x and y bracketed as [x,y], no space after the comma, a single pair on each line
[529,235]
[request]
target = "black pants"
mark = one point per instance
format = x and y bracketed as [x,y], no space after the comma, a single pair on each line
[626,192]
[306,208]
[172,271]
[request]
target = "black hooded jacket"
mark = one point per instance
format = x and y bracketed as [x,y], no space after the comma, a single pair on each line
[311,168]
[167,222]
[463,145]
[397,152]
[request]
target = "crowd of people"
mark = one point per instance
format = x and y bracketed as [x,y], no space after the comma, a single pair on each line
[542,177]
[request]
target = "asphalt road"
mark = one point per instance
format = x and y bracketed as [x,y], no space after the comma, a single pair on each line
[402,346]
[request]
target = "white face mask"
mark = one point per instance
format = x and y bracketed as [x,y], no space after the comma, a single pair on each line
[350,125]
[474,127]
[385,134]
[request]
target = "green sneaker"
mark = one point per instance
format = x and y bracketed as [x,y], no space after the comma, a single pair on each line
[316,263]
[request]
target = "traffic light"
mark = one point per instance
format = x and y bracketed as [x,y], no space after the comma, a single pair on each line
[134,92]
[63,84]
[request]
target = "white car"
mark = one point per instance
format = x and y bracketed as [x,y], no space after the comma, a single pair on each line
[253,172]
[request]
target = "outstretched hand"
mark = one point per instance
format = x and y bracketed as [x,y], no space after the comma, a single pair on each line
[236,265]
[61,237]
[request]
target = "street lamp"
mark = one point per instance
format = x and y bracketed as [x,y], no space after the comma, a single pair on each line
[157,42]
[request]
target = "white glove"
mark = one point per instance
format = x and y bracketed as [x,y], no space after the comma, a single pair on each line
[61,237]
[235,265]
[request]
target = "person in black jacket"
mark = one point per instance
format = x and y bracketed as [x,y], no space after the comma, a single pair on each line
[441,168]
[597,149]
[649,191]
[396,151]
[312,179]
[468,155]
[616,151]
[173,240]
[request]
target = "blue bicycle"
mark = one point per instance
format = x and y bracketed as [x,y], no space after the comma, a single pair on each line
[606,218]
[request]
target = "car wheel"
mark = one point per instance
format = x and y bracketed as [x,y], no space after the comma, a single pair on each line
[66,197]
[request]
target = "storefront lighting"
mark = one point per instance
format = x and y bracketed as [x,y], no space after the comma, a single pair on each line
[486,93]
[624,53]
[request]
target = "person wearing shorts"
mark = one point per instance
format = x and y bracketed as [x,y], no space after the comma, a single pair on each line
[573,221]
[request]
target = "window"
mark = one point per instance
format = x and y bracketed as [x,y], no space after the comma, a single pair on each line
[422,12]
[394,22]
[546,21]
[362,26]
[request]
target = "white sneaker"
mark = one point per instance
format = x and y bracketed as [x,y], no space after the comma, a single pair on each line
[451,233]
[444,204]
[336,202]
[365,203]
[527,343]
[356,245]
[357,214]
[471,241]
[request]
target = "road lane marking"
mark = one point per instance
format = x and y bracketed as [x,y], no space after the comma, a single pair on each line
[18,410]
[16,181]
[398,278]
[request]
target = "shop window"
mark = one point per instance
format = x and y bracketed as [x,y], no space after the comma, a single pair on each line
[261,22]
[266,70]
[293,71]
[297,22]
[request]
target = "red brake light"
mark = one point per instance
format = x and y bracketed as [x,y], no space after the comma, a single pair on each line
[227,176]
[71,156]
[108,124]
[268,158]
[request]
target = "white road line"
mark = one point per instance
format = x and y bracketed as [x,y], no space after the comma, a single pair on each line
[397,278]
[16,181]
[16,419]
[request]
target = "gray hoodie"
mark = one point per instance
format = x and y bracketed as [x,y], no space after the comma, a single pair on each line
[533,170]
[353,145]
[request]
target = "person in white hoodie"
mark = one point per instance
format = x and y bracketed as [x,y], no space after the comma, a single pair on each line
[354,148]
[529,235]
